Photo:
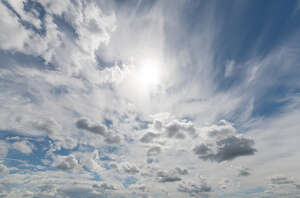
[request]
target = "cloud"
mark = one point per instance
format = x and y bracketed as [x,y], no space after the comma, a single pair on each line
[130,168]
[175,128]
[104,187]
[3,169]
[195,190]
[113,139]
[228,148]
[65,162]
[85,124]
[153,151]
[233,147]
[50,126]
[3,148]
[23,146]
[98,129]
[64,59]
[244,172]
[164,177]
[181,171]
[280,180]
[13,35]
[148,137]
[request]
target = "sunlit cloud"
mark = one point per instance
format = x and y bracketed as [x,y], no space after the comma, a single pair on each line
[149,98]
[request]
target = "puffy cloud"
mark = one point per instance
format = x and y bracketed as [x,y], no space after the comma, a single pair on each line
[78,191]
[3,169]
[112,139]
[194,190]
[148,137]
[92,165]
[50,126]
[244,172]
[85,124]
[233,147]
[279,180]
[113,165]
[104,187]
[98,129]
[181,171]
[228,148]
[13,35]
[65,162]
[153,151]
[130,168]
[139,187]
[164,177]
[221,130]
[175,129]
[23,146]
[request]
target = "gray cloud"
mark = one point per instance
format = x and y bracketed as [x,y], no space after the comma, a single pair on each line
[244,172]
[98,129]
[153,151]
[148,137]
[85,124]
[50,126]
[233,147]
[164,177]
[176,129]
[3,169]
[65,163]
[104,187]
[181,171]
[112,139]
[23,146]
[195,190]
[130,169]
[228,148]
[281,180]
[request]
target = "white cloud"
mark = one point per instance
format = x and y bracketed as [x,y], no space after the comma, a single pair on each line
[195,190]
[13,35]
[23,146]
[65,163]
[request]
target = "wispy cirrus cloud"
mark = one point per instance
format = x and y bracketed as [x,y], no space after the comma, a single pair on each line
[149,98]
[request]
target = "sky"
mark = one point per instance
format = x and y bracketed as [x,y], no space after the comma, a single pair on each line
[149,98]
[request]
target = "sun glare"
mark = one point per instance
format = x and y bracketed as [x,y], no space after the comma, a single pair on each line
[148,74]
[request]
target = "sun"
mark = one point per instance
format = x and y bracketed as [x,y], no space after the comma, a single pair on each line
[148,74]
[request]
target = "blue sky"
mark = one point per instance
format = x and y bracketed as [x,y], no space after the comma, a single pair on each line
[111,98]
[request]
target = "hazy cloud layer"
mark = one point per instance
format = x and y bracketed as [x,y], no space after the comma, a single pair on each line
[149,98]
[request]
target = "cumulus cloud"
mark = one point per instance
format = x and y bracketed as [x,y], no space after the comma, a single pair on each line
[3,169]
[176,129]
[228,148]
[98,129]
[220,130]
[65,162]
[164,176]
[13,35]
[130,168]
[149,137]
[244,172]
[195,190]
[153,151]
[85,124]
[113,165]
[104,187]
[181,171]
[50,126]
[280,180]
[112,139]
[23,146]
